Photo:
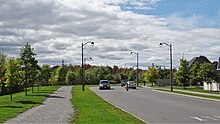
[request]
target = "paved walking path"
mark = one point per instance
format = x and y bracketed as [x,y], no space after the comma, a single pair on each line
[56,109]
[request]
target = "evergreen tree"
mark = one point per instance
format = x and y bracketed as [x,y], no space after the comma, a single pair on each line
[30,64]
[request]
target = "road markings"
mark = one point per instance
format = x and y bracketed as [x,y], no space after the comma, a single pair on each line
[197,118]
[209,118]
[217,117]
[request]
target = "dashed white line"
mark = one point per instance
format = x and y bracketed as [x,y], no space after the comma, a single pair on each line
[197,118]
[208,117]
[217,116]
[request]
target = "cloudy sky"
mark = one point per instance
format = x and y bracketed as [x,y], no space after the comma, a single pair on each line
[57,28]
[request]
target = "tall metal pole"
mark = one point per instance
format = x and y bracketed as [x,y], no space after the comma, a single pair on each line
[171,70]
[137,70]
[82,71]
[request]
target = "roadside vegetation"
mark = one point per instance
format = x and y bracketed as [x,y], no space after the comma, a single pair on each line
[92,109]
[20,103]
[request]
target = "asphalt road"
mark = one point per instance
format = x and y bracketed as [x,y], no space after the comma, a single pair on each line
[158,107]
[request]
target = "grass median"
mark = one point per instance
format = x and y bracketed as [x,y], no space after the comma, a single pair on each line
[20,103]
[193,89]
[192,94]
[92,109]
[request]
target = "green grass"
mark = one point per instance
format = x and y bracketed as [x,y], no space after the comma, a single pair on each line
[192,94]
[92,109]
[197,89]
[193,88]
[20,103]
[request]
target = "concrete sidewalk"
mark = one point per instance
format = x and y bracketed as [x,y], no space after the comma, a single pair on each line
[56,109]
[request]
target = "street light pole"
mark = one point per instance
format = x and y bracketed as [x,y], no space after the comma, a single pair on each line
[82,70]
[89,58]
[171,71]
[137,65]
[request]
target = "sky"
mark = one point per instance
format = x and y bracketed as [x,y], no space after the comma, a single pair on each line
[56,30]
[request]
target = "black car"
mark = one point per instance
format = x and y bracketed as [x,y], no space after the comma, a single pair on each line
[104,84]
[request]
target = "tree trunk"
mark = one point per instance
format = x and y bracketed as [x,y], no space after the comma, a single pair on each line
[32,86]
[38,86]
[10,89]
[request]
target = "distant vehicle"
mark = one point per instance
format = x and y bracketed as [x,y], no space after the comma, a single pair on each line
[104,84]
[131,84]
[123,82]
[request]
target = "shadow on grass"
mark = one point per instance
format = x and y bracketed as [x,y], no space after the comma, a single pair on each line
[38,95]
[28,102]
[56,97]
[11,106]
[44,91]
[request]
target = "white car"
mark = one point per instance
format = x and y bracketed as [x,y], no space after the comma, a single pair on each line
[104,84]
[131,84]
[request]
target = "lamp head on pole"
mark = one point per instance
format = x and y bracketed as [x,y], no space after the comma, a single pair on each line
[92,43]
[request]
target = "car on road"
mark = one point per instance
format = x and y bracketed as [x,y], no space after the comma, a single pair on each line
[104,84]
[131,84]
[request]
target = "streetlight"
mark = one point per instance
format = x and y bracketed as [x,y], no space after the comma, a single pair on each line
[171,75]
[82,71]
[88,58]
[137,66]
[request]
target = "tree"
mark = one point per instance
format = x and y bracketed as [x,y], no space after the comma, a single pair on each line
[61,74]
[2,71]
[151,74]
[30,64]
[14,74]
[45,73]
[182,75]
[194,78]
[70,77]
[207,72]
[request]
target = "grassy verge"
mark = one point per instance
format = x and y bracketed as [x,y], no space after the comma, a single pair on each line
[192,94]
[92,109]
[20,103]
[194,89]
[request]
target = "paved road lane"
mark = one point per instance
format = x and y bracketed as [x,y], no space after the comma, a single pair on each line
[157,107]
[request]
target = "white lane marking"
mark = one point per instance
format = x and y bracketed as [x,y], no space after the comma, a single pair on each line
[197,118]
[209,118]
[217,116]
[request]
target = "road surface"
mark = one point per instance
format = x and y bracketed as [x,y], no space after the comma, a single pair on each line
[158,107]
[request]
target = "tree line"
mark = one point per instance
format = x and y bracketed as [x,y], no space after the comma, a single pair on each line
[185,75]
[17,74]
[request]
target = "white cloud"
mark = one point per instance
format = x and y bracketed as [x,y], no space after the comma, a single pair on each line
[56,29]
